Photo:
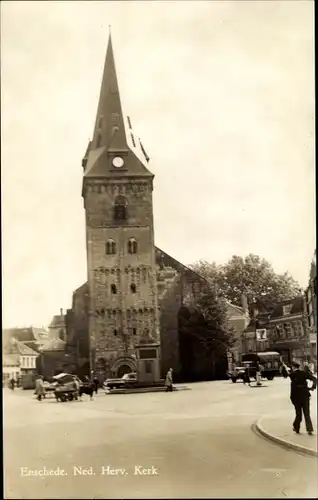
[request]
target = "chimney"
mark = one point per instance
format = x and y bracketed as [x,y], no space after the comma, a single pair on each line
[244,302]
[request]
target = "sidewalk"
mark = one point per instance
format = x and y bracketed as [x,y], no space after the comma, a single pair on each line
[278,428]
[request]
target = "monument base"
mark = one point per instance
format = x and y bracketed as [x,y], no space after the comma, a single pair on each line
[148,364]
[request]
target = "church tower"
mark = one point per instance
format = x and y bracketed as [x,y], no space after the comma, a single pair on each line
[117,192]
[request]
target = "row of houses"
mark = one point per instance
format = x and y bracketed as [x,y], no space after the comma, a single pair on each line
[290,328]
[24,349]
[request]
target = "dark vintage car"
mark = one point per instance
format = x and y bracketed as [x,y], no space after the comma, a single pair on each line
[127,380]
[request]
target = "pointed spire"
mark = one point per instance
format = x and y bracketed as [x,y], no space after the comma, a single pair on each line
[109,138]
[109,129]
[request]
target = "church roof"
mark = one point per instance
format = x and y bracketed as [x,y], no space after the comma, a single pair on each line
[109,138]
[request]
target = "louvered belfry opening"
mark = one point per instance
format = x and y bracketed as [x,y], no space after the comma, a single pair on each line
[120,208]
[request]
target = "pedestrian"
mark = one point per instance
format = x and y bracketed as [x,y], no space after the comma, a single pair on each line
[258,374]
[246,376]
[39,388]
[76,388]
[300,396]
[168,382]
[12,384]
[96,384]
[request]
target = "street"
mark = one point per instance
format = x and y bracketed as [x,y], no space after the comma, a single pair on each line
[190,443]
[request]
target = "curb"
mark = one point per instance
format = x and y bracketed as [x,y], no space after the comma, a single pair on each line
[283,442]
[141,390]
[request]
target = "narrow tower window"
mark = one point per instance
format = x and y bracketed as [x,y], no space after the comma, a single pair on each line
[133,288]
[113,289]
[110,247]
[134,330]
[98,140]
[120,208]
[132,245]
[115,332]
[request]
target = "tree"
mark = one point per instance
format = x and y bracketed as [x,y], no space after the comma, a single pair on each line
[252,276]
[207,329]
[209,271]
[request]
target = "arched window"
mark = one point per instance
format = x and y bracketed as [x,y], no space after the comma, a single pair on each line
[132,245]
[133,288]
[115,332]
[120,208]
[113,289]
[110,247]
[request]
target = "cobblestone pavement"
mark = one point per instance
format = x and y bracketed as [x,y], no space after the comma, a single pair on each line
[195,443]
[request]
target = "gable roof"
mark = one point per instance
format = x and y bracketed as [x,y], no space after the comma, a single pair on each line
[54,345]
[58,320]
[15,347]
[29,334]
[297,307]
[236,308]
[21,334]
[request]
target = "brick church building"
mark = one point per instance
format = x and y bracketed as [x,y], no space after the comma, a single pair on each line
[134,291]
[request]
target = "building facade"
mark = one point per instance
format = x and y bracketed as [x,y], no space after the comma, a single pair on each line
[311,305]
[256,337]
[18,359]
[289,333]
[57,327]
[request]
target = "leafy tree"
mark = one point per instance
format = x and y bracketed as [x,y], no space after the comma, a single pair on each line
[252,276]
[207,330]
[209,271]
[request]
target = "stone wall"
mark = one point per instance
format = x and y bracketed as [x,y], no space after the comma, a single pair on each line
[122,285]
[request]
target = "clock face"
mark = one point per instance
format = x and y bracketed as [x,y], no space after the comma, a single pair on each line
[118,162]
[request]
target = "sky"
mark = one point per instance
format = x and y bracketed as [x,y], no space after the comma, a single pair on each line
[222,96]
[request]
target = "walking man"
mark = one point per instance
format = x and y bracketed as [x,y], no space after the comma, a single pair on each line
[39,388]
[96,384]
[300,396]
[246,376]
[168,382]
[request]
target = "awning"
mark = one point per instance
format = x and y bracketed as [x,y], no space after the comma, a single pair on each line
[288,345]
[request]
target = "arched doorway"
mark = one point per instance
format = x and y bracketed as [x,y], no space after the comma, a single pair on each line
[122,370]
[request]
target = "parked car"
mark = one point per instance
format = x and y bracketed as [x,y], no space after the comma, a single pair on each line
[127,380]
